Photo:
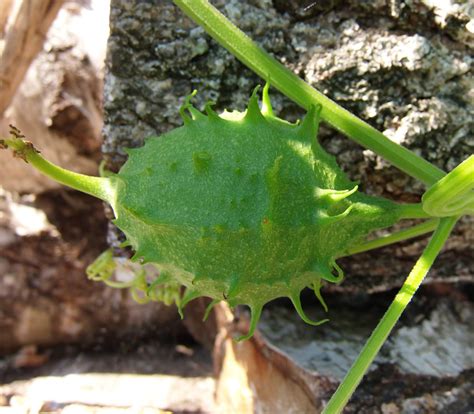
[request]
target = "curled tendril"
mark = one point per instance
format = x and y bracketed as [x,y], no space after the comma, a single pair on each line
[453,195]
[102,268]
[142,290]
[167,293]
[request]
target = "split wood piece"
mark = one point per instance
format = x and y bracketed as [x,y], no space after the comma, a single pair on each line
[203,332]
[58,105]
[256,376]
[295,368]
[4,14]
[23,41]
[45,296]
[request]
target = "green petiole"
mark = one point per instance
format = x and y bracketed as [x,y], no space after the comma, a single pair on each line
[251,55]
[412,211]
[415,231]
[386,324]
[99,187]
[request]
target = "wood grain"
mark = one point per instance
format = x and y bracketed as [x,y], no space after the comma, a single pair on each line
[23,41]
[4,14]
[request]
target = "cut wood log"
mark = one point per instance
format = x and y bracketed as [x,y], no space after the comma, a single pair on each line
[4,15]
[58,106]
[292,367]
[45,296]
[23,42]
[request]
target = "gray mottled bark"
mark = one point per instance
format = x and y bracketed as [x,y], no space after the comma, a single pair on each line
[405,67]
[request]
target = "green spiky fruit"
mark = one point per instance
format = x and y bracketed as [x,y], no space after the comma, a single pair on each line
[242,207]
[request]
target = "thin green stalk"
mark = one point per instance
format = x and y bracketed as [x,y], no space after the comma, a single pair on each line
[251,55]
[412,211]
[99,187]
[415,231]
[386,324]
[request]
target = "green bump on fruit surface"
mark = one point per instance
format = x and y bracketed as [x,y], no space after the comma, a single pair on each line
[243,207]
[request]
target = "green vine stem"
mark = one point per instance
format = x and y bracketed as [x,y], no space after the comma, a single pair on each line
[412,211]
[251,55]
[409,233]
[386,324]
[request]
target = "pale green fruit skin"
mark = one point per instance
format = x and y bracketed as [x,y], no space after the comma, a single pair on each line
[233,208]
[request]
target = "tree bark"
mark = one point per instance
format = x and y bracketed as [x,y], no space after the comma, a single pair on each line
[403,67]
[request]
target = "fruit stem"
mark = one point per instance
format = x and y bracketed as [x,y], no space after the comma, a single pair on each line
[100,187]
[415,231]
[413,211]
